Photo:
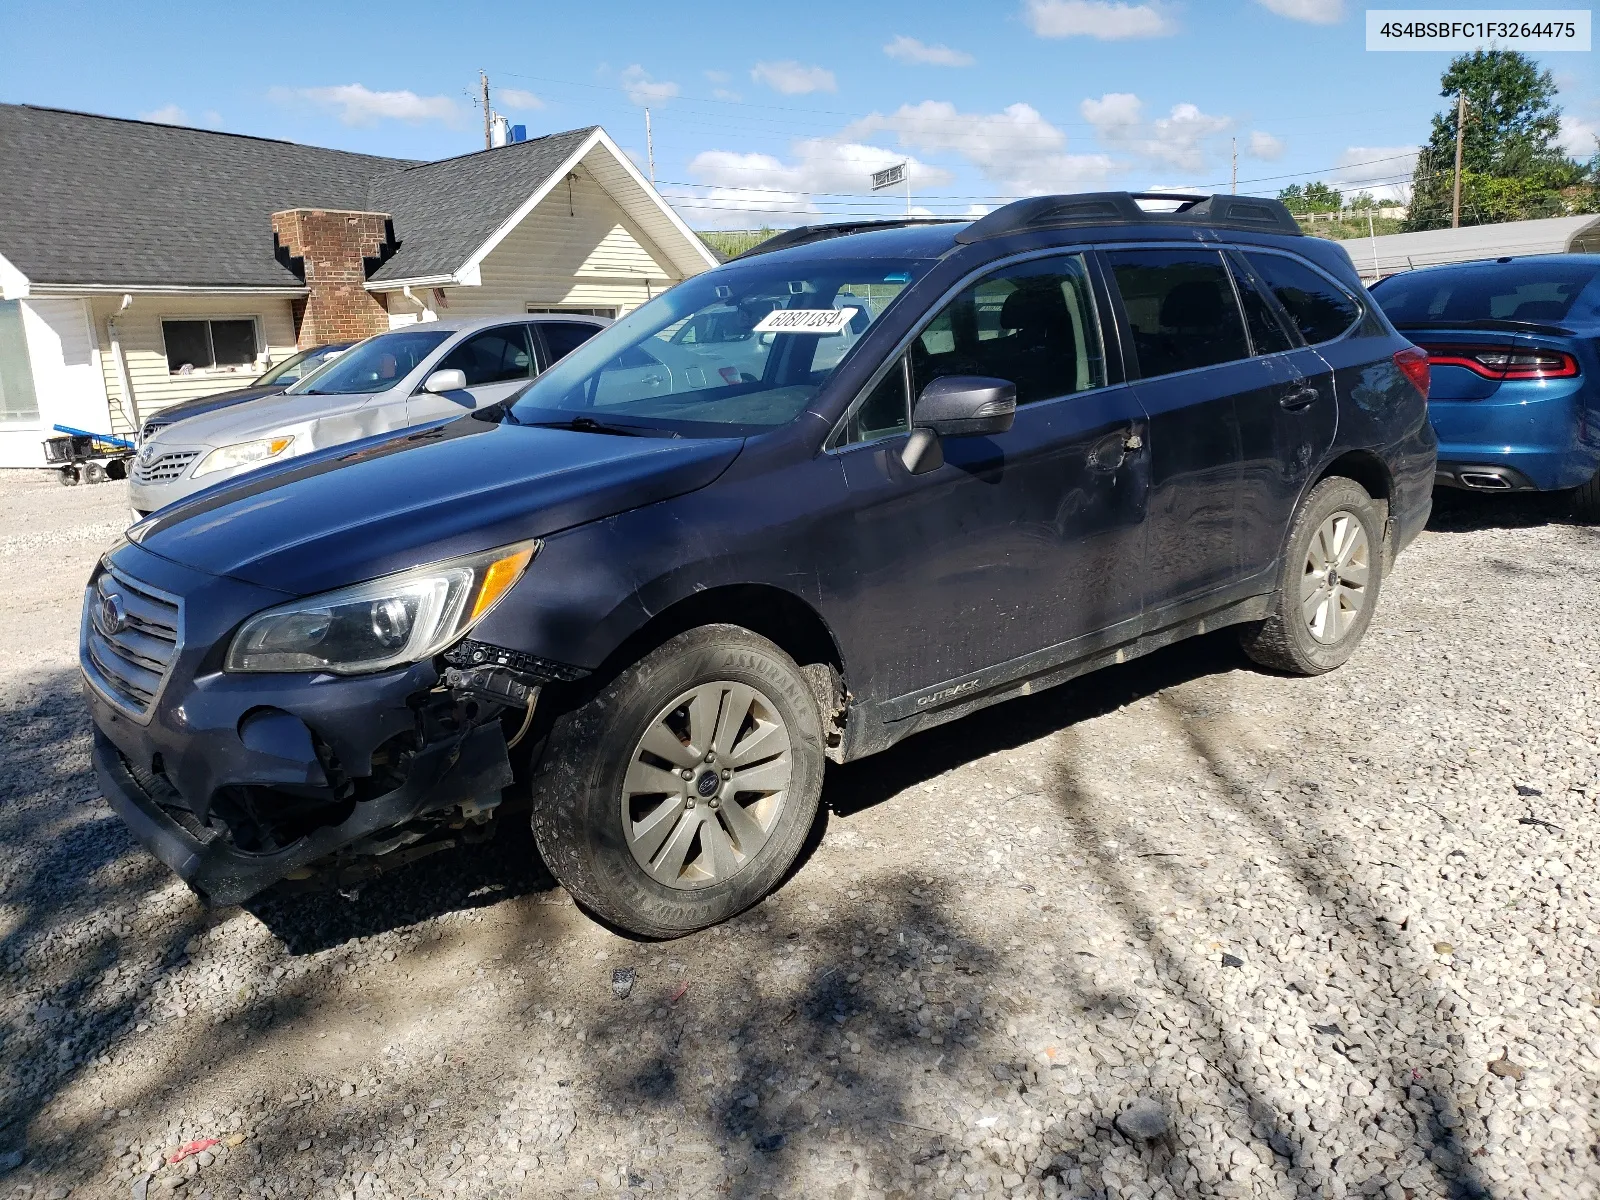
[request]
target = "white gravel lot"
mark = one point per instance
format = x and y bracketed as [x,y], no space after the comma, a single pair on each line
[1180,929]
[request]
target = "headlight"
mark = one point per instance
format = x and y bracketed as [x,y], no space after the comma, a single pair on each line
[373,626]
[242,455]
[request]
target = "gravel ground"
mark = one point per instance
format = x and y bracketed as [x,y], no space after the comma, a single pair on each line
[1180,929]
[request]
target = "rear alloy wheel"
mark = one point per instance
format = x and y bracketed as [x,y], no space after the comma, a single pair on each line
[682,792]
[1328,583]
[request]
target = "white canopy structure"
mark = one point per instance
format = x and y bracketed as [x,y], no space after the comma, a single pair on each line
[1392,253]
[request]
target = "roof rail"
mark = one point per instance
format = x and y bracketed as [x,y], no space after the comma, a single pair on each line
[1115,208]
[806,234]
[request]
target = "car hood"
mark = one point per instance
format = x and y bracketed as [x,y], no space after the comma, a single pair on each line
[357,512]
[273,413]
[204,404]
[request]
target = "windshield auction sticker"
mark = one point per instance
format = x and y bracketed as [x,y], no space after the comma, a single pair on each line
[806,320]
[1540,29]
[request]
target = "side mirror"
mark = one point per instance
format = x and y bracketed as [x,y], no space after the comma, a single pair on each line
[445,381]
[957,406]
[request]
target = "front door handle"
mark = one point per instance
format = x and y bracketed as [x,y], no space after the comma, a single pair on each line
[1301,397]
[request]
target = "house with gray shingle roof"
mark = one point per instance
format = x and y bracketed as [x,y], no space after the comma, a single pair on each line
[144,264]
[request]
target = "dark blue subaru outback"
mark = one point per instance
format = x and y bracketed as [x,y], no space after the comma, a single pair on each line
[852,485]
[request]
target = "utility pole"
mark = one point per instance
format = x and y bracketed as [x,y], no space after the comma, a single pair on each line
[483,80]
[1461,129]
[1234,188]
[650,146]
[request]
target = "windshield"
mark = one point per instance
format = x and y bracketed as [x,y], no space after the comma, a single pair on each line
[377,363]
[1514,291]
[297,366]
[711,358]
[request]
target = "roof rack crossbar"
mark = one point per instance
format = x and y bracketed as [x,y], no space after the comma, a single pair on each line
[1115,208]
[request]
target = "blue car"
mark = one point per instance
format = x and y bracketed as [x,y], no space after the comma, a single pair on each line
[1514,346]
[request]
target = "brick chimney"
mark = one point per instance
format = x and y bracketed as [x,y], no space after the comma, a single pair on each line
[336,251]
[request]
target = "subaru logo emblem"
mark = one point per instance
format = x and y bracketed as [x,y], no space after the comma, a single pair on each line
[113,617]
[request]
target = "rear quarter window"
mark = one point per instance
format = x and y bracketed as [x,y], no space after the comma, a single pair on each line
[1319,307]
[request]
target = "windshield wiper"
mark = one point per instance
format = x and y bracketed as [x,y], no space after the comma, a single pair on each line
[586,425]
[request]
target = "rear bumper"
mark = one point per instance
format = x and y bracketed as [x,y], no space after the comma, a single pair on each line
[202,855]
[1544,434]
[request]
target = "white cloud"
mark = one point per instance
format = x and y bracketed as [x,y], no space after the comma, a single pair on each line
[358,105]
[517,98]
[643,90]
[1577,137]
[736,186]
[910,50]
[167,114]
[793,79]
[1317,12]
[1385,171]
[1016,148]
[1175,140]
[1265,147]
[1103,19]
[726,94]
[718,76]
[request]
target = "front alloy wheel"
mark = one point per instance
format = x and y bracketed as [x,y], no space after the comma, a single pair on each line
[680,792]
[706,784]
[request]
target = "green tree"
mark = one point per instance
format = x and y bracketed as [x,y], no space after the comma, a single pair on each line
[1511,132]
[1311,198]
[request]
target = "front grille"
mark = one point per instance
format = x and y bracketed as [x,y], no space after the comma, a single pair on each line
[150,428]
[164,468]
[129,640]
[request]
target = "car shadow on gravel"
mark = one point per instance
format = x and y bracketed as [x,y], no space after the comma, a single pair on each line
[1357,914]
[318,916]
[860,785]
[1459,511]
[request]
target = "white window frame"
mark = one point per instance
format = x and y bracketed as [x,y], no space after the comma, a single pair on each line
[254,366]
[608,311]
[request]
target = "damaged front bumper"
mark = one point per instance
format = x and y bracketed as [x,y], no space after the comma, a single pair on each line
[237,781]
[460,771]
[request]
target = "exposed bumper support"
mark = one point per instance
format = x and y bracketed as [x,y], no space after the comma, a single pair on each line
[442,775]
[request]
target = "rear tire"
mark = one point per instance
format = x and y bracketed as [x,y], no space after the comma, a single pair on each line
[1586,500]
[648,850]
[1328,583]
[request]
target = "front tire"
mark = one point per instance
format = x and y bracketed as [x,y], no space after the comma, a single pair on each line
[682,792]
[1328,583]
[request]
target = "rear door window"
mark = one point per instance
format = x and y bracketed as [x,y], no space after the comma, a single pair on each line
[1267,332]
[493,356]
[1319,308]
[561,338]
[1181,308]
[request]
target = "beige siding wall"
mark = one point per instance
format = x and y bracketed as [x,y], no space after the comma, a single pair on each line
[154,385]
[595,258]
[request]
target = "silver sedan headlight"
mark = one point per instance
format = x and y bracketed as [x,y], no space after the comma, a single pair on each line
[384,623]
[243,454]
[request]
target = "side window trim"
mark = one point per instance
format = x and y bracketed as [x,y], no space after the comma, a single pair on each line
[541,352]
[1361,305]
[833,443]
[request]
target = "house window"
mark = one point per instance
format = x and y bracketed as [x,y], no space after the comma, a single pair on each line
[575,311]
[18,404]
[201,345]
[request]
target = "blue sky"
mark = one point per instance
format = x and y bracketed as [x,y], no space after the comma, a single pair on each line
[777,113]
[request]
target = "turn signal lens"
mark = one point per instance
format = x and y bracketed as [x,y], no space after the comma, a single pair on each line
[497,581]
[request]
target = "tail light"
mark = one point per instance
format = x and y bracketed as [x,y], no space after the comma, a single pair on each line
[1502,364]
[1413,364]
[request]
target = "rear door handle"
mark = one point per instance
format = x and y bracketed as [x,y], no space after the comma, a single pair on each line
[1301,397]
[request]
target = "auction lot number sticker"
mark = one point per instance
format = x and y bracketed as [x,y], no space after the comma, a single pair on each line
[806,320]
[1542,29]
